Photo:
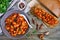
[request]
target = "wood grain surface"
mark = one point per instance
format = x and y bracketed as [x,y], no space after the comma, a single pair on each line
[53,5]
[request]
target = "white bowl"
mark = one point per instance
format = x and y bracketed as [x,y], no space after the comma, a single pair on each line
[3,24]
[24,6]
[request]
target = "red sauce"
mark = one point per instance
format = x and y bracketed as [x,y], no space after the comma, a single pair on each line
[21,5]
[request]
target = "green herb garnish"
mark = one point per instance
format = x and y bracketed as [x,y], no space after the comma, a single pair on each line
[4,5]
[34,31]
[28,35]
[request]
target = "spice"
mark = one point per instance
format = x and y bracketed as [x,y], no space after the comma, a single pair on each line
[33,21]
[41,25]
[41,36]
[46,33]
[37,27]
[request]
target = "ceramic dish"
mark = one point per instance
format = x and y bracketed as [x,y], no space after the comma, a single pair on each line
[3,24]
[23,4]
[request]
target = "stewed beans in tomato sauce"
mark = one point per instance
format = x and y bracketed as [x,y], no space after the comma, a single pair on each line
[46,17]
[15,24]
